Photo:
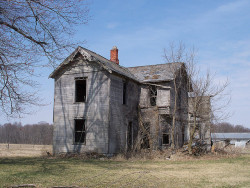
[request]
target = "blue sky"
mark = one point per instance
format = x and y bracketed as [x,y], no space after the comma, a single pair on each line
[141,29]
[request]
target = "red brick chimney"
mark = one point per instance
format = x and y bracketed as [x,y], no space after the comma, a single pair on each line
[114,55]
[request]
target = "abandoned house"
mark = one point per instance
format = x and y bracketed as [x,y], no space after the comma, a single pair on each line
[100,106]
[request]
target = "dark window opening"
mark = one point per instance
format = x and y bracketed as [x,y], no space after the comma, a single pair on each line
[153,95]
[80,130]
[124,95]
[130,136]
[80,95]
[145,136]
[165,139]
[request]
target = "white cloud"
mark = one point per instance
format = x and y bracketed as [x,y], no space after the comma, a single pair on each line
[232,6]
[112,25]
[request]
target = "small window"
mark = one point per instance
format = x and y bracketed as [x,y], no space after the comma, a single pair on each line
[153,95]
[80,89]
[80,131]
[124,95]
[165,139]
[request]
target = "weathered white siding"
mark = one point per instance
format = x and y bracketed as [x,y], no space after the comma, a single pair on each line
[122,114]
[95,110]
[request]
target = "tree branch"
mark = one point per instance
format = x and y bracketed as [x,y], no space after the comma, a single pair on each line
[23,33]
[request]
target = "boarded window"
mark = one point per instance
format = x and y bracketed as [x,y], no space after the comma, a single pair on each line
[80,130]
[80,89]
[153,95]
[130,136]
[165,139]
[163,96]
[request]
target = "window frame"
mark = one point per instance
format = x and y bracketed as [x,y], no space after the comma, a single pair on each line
[74,133]
[75,97]
[153,95]
[168,135]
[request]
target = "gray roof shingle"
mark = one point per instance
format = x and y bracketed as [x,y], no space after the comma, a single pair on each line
[155,73]
[92,56]
[111,65]
[150,73]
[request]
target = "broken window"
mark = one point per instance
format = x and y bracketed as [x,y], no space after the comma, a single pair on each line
[130,136]
[80,130]
[124,95]
[153,95]
[165,139]
[80,89]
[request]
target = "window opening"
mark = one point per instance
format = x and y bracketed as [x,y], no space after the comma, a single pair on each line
[165,139]
[80,89]
[124,96]
[80,130]
[153,95]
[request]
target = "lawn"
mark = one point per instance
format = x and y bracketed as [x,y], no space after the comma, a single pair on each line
[48,172]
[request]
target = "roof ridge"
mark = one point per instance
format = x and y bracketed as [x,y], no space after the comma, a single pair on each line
[157,64]
[96,54]
[125,68]
[115,65]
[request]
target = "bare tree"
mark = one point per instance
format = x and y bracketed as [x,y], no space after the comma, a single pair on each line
[208,99]
[16,133]
[31,30]
[178,54]
[226,127]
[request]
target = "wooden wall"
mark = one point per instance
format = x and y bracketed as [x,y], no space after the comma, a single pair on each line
[95,110]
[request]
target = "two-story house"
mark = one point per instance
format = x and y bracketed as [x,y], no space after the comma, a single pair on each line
[100,105]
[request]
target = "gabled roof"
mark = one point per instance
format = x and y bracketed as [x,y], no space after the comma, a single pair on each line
[155,73]
[149,73]
[92,56]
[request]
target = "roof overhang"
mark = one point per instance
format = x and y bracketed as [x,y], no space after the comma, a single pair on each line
[72,56]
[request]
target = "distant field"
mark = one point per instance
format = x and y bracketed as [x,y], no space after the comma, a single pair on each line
[24,150]
[47,172]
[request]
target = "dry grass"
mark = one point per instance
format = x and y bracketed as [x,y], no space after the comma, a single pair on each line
[24,150]
[232,149]
[212,171]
